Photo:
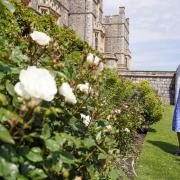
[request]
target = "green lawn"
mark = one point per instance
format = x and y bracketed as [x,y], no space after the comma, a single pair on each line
[157,160]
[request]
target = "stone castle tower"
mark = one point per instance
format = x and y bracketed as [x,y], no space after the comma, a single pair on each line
[108,34]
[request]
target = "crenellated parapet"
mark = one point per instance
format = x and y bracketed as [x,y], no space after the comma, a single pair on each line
[117,39]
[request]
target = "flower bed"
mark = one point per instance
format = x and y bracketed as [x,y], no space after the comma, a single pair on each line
[63,115]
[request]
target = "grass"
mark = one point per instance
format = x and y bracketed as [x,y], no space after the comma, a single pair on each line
[157,160]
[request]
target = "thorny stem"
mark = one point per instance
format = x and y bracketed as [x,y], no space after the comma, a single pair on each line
[81,105]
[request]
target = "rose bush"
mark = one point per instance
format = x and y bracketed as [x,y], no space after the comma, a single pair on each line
[79,132]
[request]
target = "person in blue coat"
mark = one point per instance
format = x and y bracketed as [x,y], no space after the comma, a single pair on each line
[176,121]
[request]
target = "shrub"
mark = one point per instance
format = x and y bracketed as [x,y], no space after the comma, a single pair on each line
[153,106]
[124,111]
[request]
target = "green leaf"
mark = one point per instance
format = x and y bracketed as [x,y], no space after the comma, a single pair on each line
[54,111]
[13,171]
[67,157]
[32,172]
[2,74]
[8,169]
[92,170]
[52,145]
[18,56]
[116,173]
[3,99]
[89,142]
[98,136]
[102,156]
[8,152]
[46,132]
[5,136]
[4,170]
[10,88]
[35,155]
[75,124]
[59,74]
[8,5]
[57,165]
[20,177]
[6,115]
[37,174]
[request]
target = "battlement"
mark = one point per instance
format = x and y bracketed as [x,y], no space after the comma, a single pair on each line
[117,39]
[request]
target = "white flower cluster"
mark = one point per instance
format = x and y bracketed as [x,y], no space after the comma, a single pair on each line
[85,88]
[36,83]
[66,91]
[86,119]
[109,128]
[93,60]
[117,111]
[125,106]
[127,130]
[40,37]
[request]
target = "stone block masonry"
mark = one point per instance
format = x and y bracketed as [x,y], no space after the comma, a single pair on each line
[162,81]
[108,34]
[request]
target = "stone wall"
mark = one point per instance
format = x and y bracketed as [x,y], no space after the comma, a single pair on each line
[162,81]
[109,34]
[60,8]
[85,17]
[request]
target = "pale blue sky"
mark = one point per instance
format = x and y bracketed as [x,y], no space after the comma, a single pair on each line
[154,32]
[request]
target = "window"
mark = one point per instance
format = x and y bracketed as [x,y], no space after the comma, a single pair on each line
[44,10]
[96,41]
[47,10]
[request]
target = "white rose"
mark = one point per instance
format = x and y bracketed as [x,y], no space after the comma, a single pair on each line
[109,127]
[125,106]
[66,91]
[93,60]
[117,111]
[86,119]
[84,88]
[90,58]
[127,130]
[36,83]
[109,117]
[96,61]
[40,37]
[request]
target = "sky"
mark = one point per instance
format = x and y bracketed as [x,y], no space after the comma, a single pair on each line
[154,32]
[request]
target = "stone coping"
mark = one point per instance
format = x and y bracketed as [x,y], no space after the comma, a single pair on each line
[135,73]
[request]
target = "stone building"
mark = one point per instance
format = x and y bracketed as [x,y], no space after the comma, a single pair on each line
[108,34]
[117,40]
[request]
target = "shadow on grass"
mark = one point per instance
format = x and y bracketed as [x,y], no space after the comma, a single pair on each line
[152,130]
[178,160]
[167,147]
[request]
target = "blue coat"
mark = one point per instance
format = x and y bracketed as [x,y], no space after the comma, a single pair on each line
[176,119]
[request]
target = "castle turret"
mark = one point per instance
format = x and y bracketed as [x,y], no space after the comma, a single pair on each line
[117,40]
